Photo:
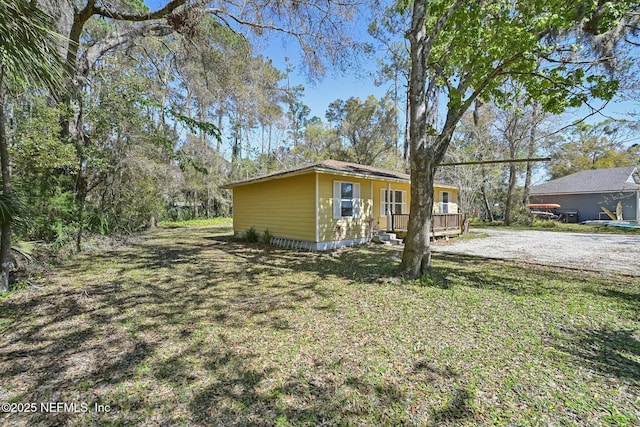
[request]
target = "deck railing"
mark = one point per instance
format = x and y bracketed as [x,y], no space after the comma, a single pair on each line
[445,222]
[399,222]
[441,224]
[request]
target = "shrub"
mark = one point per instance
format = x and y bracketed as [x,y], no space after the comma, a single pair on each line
[251,235]
[266,237]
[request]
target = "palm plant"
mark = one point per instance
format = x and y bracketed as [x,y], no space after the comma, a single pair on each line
[28,58]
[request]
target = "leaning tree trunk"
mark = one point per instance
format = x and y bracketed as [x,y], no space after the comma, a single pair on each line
[5,231]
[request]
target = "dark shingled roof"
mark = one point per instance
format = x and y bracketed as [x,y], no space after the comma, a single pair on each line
[592,181]
[335,166]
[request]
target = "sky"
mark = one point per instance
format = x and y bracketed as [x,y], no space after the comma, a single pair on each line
[333,86]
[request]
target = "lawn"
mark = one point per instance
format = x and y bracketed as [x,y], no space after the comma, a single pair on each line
[187,326]
[560,227]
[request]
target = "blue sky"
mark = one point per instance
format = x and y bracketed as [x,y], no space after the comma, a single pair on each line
[335,85]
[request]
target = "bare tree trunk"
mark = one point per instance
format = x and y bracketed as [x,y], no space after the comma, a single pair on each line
[530,153]
[5,232]
[76,136]
[405,150]
[508,208]
[485,197]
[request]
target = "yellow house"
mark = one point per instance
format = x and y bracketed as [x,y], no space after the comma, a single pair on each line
[331,204]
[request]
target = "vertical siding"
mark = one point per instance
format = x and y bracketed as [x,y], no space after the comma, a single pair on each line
[286,207]
[331,229]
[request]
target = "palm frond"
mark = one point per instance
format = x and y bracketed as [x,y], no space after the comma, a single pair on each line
[7,209]
[28,46]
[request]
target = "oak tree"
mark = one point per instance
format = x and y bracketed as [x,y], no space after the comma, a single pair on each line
[463,51]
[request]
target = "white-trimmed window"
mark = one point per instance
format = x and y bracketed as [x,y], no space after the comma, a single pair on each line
[394,201]
[445,198]
[346,199]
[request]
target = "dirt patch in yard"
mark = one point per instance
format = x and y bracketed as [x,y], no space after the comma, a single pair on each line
[606,253]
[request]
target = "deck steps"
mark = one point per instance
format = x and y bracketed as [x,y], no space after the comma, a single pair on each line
[386,238]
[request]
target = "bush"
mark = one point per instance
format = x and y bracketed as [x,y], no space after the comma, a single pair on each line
[251,235]
[266,237]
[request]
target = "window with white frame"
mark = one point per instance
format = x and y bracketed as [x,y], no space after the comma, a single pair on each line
[346,199]
[445,197]
[394,201]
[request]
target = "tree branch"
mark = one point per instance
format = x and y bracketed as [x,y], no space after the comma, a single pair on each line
[158,14]
[92,54]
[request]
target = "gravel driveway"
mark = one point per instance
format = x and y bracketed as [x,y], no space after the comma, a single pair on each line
[595,252]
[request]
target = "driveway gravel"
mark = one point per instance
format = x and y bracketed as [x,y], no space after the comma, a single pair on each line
[607,253]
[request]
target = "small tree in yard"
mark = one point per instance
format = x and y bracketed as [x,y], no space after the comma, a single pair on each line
[464,51]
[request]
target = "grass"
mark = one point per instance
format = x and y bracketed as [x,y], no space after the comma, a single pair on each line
[195,328]
[559,226]
[202,222]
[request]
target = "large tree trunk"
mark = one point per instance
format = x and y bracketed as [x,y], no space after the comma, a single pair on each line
[416,258]
[5,232]
[426,150]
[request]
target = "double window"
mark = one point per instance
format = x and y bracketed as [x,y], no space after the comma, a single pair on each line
[346,199]
[393,201]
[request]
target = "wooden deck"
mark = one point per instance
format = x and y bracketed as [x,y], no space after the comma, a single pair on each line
[441,224]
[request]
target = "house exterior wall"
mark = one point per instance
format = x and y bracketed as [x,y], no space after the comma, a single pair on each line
[589,206]
[330,229]
[439,207]
[286,207]
[380,221]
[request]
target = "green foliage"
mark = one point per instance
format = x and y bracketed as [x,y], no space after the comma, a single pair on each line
[593,146]
[7,210]
[36,147]
[366,128]
[29,51]
[251,235]
[266,237]
[42,170]
[544,224]
[204,222]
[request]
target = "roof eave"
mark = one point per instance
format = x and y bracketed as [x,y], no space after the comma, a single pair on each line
[564,193]
[267,178]
[311,170]
[361,175]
